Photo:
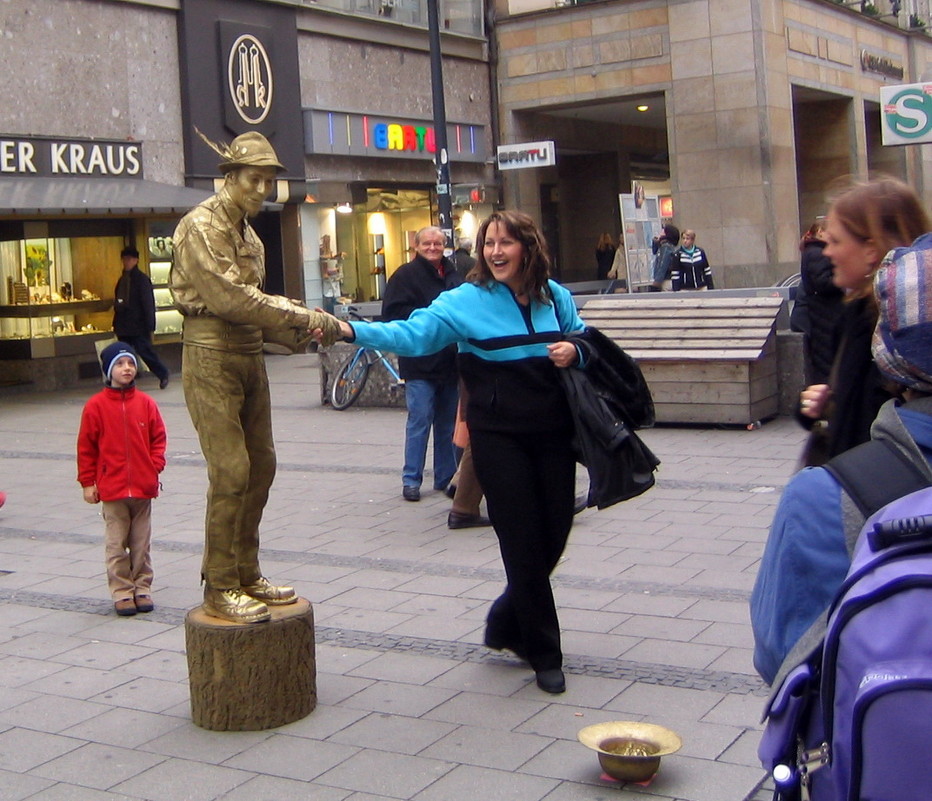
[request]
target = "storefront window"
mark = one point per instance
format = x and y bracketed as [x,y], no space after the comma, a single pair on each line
[159,245]
[56,286]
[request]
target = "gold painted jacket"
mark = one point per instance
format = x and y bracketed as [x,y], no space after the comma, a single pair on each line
[216,282]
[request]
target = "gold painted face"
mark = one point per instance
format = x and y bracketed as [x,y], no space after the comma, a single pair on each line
[249,187]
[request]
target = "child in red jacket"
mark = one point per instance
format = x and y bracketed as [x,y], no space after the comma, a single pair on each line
[121,451]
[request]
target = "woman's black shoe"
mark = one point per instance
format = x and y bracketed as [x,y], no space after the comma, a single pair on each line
[551,681]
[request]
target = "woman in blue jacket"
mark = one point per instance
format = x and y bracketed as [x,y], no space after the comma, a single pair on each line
[510,323]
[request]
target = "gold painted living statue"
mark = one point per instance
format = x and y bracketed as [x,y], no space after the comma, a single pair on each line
[216,282]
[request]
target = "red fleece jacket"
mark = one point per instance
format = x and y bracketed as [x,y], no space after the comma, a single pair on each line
[121,444]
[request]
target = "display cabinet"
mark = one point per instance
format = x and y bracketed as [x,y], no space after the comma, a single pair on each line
[52,297]
[159,243]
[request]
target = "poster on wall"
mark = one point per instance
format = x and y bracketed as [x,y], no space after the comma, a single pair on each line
[640,221]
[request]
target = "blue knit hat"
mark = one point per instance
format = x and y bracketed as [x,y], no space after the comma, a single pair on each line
[902,344]
[111,353]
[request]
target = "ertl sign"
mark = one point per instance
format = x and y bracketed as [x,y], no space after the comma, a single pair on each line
[528,154]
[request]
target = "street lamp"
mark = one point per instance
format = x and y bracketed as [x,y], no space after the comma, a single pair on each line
[441,157]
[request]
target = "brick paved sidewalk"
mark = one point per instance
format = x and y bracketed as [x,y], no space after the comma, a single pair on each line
[652,596]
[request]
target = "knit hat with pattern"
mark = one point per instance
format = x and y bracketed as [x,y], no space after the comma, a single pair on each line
[902,343]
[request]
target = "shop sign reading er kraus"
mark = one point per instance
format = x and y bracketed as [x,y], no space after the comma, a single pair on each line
[527,154]
[44,158]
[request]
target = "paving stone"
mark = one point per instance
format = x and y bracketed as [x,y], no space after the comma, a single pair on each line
[383,773]
[490,748]
[97,766]
[127,728]
[51,713]
[475,782]
[183,780]
[23,749]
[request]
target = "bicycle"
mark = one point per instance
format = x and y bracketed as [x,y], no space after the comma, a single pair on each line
[349,382]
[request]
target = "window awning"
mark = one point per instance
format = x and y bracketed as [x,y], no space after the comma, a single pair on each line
[22,196]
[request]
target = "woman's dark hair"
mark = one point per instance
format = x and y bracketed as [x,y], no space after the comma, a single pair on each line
[812,234]
[535,266]
[671,234]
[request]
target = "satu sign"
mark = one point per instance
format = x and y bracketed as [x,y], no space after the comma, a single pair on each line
[906,117]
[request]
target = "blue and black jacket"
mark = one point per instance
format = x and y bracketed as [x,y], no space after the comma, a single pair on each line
[503,358]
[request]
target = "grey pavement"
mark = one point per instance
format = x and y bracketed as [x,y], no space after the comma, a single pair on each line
[652,596]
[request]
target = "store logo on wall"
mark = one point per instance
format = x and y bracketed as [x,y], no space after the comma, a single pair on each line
[881,65]
[249,78]
[413,138]
[343,133]
[528,154]
[906,117]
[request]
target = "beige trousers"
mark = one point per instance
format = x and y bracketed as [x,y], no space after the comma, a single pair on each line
[127,535]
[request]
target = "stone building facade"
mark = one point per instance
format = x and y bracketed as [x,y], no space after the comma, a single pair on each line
[756,106]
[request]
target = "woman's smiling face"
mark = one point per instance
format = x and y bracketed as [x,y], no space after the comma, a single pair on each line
[504,254]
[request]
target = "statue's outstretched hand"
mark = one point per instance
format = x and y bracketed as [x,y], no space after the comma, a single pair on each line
[324,328]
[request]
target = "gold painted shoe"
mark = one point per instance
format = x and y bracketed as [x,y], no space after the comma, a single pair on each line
[264,590]
[234,605]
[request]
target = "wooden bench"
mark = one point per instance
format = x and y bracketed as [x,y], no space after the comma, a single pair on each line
[707,359]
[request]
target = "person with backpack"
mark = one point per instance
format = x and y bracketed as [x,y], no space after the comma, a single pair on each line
[822,510]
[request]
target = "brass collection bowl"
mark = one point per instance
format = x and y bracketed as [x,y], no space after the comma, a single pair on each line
[630,751]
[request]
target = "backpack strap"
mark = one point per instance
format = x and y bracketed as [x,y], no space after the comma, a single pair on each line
[876,473]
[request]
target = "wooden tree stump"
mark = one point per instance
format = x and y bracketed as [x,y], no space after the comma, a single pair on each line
[252,676]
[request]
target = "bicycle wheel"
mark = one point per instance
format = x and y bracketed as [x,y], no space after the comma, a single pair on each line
[349,382]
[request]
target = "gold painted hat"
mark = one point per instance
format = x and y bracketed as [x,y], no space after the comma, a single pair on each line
[628,750]
[250,149]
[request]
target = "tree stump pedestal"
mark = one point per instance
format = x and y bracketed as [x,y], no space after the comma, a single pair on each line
[252,676]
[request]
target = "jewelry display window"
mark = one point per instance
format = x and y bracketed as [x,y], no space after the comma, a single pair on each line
[54,286]
[159,245]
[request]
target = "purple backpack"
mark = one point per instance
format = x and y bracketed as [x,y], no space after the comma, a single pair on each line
[854,722]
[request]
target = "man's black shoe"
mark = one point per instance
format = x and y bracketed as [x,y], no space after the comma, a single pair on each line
[450,491]
[163,383]
[551,681]
[459,520]
[411,493]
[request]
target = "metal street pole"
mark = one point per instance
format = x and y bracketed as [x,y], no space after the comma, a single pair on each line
[441,159]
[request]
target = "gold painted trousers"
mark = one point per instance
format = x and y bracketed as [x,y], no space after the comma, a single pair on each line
[227,395]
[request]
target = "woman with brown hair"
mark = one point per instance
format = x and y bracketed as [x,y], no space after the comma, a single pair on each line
[510,322]
[865,221]
[604,256]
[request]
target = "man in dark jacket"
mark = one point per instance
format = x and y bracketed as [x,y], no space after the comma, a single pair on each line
[430,381]
[134,313]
